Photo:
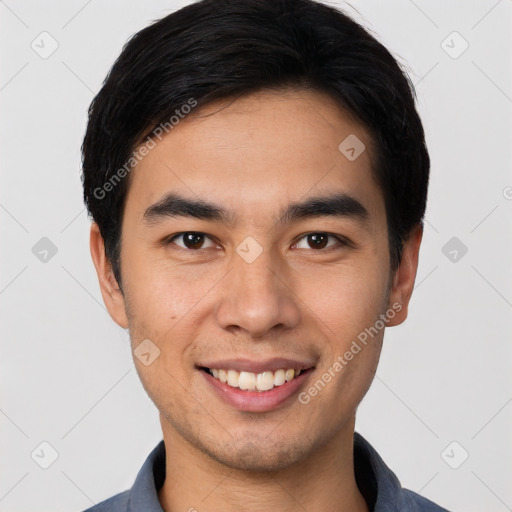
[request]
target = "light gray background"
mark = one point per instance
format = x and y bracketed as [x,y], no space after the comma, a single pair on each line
[67,374]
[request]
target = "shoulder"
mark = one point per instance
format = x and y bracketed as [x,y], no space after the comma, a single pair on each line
[413,502]
[117,503]
[143,495]
[381,487]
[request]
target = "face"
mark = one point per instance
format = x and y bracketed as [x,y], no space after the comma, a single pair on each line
[254,250]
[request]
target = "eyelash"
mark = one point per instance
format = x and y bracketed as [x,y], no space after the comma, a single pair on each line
[341,241]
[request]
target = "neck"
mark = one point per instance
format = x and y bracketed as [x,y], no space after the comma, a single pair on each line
[323,481]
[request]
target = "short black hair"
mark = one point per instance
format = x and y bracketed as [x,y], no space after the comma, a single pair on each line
[215,49]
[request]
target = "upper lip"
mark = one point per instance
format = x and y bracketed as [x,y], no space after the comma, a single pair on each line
[253,366]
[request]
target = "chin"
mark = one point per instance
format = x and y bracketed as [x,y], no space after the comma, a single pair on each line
[259,456]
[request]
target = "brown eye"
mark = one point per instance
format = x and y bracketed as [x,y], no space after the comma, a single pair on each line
[318,240]
[192,240]
[321,240]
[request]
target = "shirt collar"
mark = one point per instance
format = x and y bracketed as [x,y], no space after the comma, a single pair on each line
[144,493]
[378,484]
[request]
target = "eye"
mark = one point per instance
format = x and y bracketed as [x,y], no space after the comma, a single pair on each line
[192,240]
[318,241]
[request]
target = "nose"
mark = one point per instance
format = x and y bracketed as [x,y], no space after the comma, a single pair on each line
[257,299]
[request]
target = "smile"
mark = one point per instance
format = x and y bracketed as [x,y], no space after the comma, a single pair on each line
[248,381]
[256,385]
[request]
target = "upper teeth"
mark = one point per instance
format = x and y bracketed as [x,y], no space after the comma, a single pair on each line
[254,381]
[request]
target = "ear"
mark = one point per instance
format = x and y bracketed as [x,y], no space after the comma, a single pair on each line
[404,277]
[112,295]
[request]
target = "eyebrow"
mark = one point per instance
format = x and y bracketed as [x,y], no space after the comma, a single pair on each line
[338,205]
[173,205]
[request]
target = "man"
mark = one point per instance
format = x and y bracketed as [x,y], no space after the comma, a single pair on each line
[257,176]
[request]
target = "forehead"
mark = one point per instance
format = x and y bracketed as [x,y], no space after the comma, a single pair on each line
[266,150]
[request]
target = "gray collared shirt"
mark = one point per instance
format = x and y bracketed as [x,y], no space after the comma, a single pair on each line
[377,483]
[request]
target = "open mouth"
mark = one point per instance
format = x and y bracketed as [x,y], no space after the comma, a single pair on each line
[248,381]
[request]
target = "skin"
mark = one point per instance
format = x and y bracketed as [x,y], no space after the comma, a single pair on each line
[255,156]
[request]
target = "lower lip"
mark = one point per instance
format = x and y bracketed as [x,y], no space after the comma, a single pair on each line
[257,401]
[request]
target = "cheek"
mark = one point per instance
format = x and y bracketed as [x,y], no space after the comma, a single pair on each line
[166,304]
[159,294]
[347,299]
